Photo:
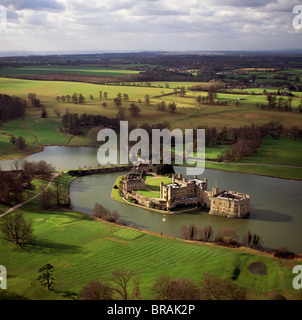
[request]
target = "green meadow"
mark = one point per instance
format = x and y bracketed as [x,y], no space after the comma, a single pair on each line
[76,70]
[280,151]
[82,249]
[39,132]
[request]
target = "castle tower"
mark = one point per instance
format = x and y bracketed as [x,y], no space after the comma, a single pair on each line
[169,194]
[214,191]
[161,190]
[206,183]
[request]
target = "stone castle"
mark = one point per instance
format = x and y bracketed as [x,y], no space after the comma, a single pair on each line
[187,193]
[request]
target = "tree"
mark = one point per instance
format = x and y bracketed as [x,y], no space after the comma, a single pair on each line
[43,113]
[182,91]
[21,143]
[121,279]
[134,110]
[213,288]
[172,107]
[13,139]
[31,97]
[125,96]
[81,98]
[15,229]
[205,234]
[147,100]
[121,114]
[46,276]
[46,198]
[166,288]
[161,106]
[251,239]
[57,112]
[117,102]
[227,236]
[161,287]
[96,290]
[183,289]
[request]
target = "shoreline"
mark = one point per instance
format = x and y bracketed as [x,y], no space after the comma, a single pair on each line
[41,147]
[242,248]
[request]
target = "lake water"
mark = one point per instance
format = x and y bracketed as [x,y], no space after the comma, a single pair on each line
[275,206]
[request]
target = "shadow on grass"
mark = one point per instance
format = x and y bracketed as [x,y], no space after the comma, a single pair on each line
[47,246]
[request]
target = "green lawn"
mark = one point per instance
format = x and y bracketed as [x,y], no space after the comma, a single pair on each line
[278,151]
[151,194]
[154,183]
[82,249]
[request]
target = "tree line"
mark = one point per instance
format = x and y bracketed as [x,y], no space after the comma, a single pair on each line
[74,123]
[125,284]
[224,236]
[11,107]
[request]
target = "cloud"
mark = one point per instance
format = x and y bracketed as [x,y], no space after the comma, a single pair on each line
[153,24]
[33,4]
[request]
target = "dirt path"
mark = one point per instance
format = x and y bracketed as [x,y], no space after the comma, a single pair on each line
[29,131]
[35,196]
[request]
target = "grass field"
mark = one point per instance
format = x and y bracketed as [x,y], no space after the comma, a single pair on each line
[82,249]
[278,151]
[79,70]
[38,132]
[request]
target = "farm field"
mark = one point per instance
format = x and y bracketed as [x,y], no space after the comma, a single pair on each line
[75,70]
[39,132]
[82,249]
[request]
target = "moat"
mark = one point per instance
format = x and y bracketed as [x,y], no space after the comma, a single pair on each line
[275,207]
[277,219]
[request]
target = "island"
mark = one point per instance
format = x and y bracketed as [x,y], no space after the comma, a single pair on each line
[180,194]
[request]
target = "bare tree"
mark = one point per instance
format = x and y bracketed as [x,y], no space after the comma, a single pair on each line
[96,290]
[166,288]
[227,236]
[205,233]
[121,279]
[161,287]
[183,289]
[15,229]
[213,288]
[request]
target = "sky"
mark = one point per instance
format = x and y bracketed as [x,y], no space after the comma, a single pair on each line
[149,25]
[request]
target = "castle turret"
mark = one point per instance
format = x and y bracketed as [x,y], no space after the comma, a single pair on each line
[161,190]
[214,191]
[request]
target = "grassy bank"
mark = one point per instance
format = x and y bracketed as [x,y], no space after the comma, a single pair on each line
[82,249]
